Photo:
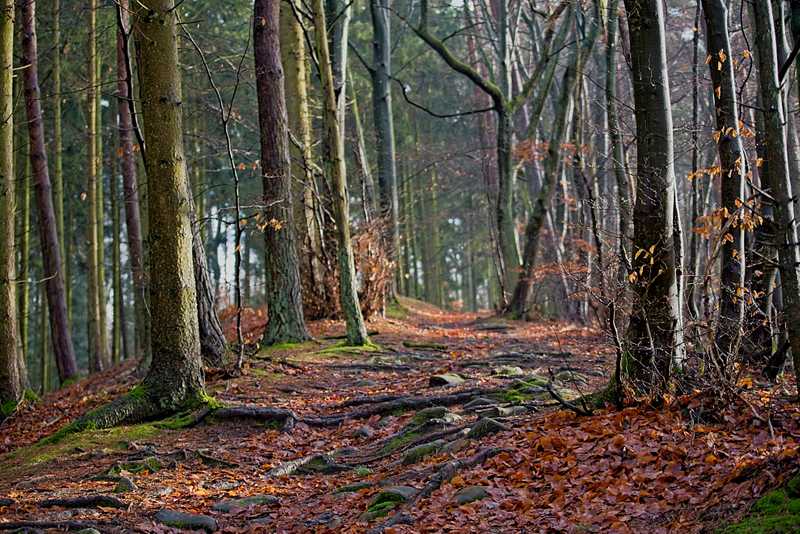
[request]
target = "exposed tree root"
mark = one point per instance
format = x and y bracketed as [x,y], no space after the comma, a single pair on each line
[313,463]
[285,417]
[59,525]
[369,367]
[445,472]
[90,501]
[440,400]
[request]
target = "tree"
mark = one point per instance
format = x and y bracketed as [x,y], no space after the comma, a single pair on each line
[48,231]
[96,348]
[174,379]
[732,170]
[776,181]
[650,346]
[334,159]
[12,367]
[130,187]
[284,302]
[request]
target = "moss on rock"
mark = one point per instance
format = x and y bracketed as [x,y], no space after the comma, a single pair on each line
[777,512]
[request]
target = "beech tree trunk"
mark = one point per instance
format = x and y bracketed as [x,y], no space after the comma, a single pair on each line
[778,184]
[48,231]
[650,341]
[732,170]
[334,159]
[12,367]
[284,302]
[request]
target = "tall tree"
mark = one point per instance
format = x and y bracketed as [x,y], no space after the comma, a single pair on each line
[48,231]
[732,170]
[96,351]
[129,184]
[284,302]
[778,185]
[384,121]
[174,379]
[334,159]
[12,368]
[650,341]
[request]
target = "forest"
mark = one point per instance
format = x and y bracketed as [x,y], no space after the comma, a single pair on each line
[399,266]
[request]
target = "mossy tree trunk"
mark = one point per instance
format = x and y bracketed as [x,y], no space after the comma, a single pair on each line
[174,379]
[48,231]
[335,162]
[284,302]
[12,368]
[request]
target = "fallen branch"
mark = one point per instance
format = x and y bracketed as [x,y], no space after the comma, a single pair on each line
[91,501]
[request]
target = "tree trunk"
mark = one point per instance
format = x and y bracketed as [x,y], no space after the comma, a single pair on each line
[732,170]
[213,345]
[130,186]
[48,232]
[96,353]
[384,123]
[24,194]
[334,158]
[12,368]
[650,341]
[778,180]
[284,301]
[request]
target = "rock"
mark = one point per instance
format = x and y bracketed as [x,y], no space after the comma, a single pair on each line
[124,485]
[418,453]
[364,431]
[366,383]
[327,519]
[484,427]
[171,518]
[353,488]
[508,371]
[469,494]
[570,377]
[426,414]
[478,402]
[502,411]
[387,499]
[229,505]
[321,464]
[446,379]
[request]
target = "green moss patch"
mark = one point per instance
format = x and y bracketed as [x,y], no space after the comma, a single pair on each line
[777,512]
[343,348]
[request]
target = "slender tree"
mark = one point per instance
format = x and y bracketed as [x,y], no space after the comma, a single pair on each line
[284,302]
[732,169]
[334,158]
[778,185]
[12,368]
[48,231]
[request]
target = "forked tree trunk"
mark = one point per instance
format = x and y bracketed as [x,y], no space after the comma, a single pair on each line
[48,231]
[334,159]
[12,369]
[284,302]
[732,169]
[650,341]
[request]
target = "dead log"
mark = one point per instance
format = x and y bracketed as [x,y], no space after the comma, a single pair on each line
[89,501]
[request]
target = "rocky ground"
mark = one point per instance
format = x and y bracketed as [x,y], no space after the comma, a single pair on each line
[452,423]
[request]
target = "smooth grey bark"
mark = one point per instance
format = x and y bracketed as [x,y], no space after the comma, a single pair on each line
[650,341]
[732,171]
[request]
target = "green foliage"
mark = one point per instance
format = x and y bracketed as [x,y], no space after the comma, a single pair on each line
[7,408]
[777,512]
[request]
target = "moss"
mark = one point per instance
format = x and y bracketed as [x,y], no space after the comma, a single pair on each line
[362,471]
[777,512]
[395,310]
[137,392]
[399,441]
[267,351]
[7,408]
[343,348]
[420,452]
[381,509]
[520,391]
[353,488]
[30,396]
[150,464]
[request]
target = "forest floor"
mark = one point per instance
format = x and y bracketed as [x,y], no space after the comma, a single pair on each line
[529,466]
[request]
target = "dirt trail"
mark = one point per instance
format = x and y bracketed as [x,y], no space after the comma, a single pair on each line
[380,441]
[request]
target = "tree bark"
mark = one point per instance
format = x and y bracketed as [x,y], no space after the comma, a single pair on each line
[334,158]
[130,186]
[732,170]
[778,184]
[284,301]
[650,341]
[12,369]
[48,231]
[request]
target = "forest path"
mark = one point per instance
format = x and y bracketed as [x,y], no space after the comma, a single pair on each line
[409,451]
